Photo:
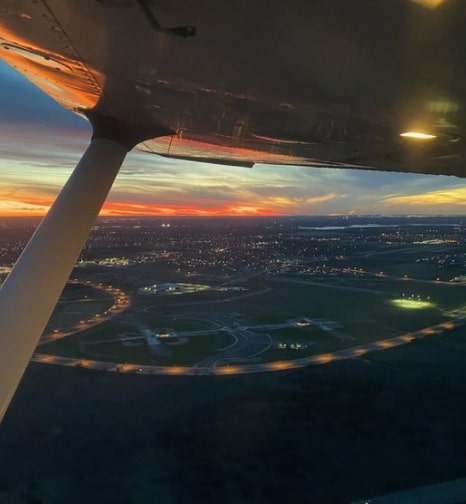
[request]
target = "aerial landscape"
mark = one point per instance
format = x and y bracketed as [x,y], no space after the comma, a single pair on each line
[271,333]
[232,252]
[228,296]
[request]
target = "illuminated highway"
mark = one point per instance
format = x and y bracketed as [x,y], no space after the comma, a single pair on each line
[121,301]
[319,359]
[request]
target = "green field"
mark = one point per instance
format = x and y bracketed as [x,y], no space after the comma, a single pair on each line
[298,334]
[186,354]
[361,306]
[177,324]
[78,302]
[198,348]
[71,345]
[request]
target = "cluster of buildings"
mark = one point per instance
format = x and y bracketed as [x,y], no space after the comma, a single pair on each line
[171,288]
[231,246]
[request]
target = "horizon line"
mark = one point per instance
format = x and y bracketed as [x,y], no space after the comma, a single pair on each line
[243,216]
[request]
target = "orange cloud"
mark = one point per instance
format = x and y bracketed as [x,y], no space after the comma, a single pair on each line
[121,209]
[454,196]
[22,208]
[24,205]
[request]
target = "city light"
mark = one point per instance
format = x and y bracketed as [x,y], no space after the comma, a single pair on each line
[386,343]
[177,370]
[227,370]
[223,340]
[324,358]
[172,288]
[280,365]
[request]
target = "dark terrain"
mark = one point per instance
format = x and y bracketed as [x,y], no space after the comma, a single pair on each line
[328,434]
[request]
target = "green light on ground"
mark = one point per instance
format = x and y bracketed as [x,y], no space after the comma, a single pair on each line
[412,304]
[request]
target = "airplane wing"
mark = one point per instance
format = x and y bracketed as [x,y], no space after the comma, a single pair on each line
[325,83]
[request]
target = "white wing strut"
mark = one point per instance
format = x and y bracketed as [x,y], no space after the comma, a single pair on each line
[31,291]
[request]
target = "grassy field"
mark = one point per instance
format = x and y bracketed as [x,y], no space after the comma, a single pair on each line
[117,352]
[445,296]
[73,345]
[91,344]
[279,317]
[78,302]
[363,315]
[289,300]
[185,354]
[368,330]
[198,348]
[177,324]
[298,334]
[362,307]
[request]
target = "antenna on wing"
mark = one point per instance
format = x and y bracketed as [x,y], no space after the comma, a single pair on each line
[180,31]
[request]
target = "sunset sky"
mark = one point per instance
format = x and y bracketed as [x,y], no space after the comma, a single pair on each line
[40,143]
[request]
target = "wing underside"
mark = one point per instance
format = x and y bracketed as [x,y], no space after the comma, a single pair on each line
[321,84]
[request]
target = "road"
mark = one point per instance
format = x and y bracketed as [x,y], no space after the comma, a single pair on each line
[121,302]
[248,345]
[319,359]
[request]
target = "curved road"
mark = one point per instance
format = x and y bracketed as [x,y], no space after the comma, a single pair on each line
[319,359]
